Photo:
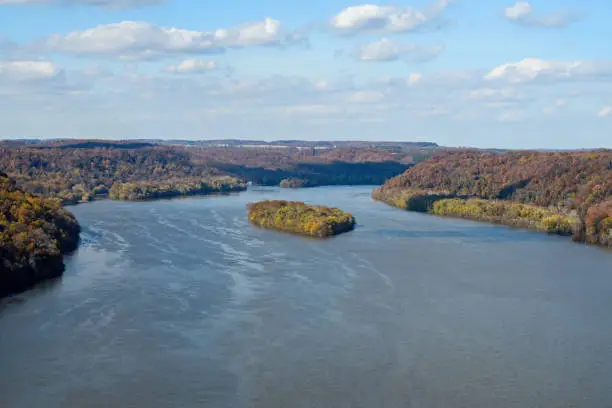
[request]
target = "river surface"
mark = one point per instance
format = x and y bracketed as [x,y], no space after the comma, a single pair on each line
[181,303]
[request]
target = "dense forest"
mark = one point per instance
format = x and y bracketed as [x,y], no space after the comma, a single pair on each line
[300,218]
[34,233]
[575,185]
[83,170]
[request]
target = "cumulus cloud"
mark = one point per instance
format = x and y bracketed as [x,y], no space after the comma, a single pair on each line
[141,40]
[192,66]
[390,19]
[522,13]
[605,112]
[27,70]
[388,50]
[97,3]
[534,69]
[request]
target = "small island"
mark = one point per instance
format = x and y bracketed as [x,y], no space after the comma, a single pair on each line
[300,218]
[294,182]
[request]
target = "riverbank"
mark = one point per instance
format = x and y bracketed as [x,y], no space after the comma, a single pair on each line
[566,193]
[597,230]
[35,234]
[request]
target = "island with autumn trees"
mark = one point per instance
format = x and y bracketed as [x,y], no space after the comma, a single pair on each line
[35,233]
[566,193]
[300,218]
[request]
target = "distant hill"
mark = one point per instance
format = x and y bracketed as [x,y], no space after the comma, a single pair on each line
[81,170]
[571,183]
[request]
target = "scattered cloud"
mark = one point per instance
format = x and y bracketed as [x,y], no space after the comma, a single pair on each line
[312,110]
[139,40]
[533,69]
[495,95]
[27,70]
[389,50]
[192,66]
[364,96]
[554,107]
[511,116]
[386,19]
[522,13]
[414,78]
[115,4]
[605,112]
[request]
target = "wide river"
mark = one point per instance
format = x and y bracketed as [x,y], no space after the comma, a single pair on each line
[181,303]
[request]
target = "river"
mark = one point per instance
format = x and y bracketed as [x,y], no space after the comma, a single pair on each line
[181,303]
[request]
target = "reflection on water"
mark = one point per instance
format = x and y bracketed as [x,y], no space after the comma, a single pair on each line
[181,303]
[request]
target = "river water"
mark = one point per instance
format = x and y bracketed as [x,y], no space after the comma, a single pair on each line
[182,303]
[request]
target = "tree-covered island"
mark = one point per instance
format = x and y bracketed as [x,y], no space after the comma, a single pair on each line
[297,217]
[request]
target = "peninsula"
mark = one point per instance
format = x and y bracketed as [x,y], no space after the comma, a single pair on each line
[565,193]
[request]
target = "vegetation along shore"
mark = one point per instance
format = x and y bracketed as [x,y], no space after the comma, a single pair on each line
[35,233]
[566,193]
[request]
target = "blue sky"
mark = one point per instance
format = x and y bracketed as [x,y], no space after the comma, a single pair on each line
[485,73]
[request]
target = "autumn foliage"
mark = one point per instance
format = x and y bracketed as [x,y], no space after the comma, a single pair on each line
[300,218]
[34,233]
[83,171]
[572,185]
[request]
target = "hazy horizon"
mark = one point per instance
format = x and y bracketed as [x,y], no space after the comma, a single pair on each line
[144,139]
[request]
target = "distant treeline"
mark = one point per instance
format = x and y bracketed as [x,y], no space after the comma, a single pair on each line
[85,170]
[34,233]
[575,188]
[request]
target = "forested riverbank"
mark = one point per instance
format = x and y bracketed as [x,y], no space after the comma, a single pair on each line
[35,233]
[566,193]
[77,171]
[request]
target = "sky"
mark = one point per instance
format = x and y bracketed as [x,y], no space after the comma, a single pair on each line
[481,73]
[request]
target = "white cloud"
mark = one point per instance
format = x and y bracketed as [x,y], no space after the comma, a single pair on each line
[605,112]
[140,40]
[388,50]
[554,107]
[414,78]
[192,66]
[532,69]
[522,13]
[364,96]
[511,116]
[27,70]
[391,19]
[97,3]
[312,110]
[495,95]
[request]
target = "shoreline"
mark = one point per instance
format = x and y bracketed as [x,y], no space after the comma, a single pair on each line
[495,212]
